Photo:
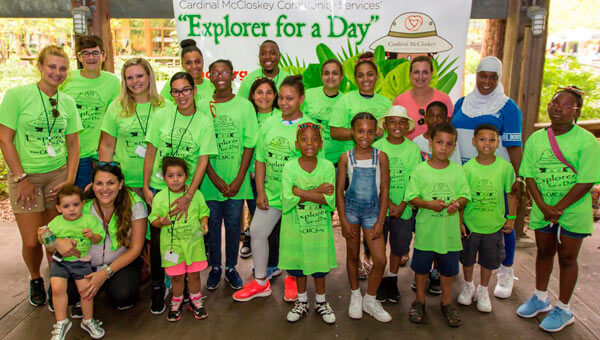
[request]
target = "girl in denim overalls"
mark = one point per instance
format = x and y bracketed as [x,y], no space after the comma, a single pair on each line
[360,206]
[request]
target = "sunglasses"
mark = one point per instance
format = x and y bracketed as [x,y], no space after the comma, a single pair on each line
[113,163]
[422,119]
[54,104]
[573,89]
[313,126]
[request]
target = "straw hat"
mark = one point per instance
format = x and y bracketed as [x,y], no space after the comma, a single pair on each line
[396,111]
[413,32]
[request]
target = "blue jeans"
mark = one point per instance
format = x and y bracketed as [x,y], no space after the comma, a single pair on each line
[229,211]
[84,172]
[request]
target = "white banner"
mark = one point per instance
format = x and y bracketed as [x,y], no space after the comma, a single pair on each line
[310,31]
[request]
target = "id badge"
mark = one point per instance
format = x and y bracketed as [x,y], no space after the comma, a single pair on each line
[50,150]
[160,176]
[171,256]
[141,151]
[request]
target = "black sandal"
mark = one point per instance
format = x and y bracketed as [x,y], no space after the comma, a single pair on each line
[417,312]
[451,314]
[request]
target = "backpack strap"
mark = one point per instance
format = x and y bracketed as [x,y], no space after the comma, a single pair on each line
[556,150]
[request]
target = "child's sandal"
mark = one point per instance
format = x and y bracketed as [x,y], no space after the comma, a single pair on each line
[451,314]
[417,312]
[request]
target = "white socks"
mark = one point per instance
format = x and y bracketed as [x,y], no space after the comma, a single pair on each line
[303,297]
[563,306]
[261,282]
[369,298]
[320,298]
[390,274]
[542,296]
[356,292]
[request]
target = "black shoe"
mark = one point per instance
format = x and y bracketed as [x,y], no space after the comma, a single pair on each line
[197,307]
[246,250]
[50,303]
[435,286]
[76,312]
[393,294]
[175,314]
[37,293]
[382,291]
[158,299]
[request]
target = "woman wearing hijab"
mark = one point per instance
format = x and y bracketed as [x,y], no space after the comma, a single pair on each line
[488,104]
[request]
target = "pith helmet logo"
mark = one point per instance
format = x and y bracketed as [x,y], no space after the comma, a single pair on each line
[413,32]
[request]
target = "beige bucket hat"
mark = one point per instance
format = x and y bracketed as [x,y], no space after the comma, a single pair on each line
[412,32]
[396,111]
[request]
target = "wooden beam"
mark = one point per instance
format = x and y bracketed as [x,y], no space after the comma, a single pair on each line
[493,38]
[100,26]
[148,37]
[513,49]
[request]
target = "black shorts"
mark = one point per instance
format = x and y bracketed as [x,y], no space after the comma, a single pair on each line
[400,233]
[299,273]
[76,270]
[487,249]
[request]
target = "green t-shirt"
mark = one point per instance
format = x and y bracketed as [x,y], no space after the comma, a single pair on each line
[92,97]
[438,232]
[64,229]
[306,233]
[554,179]
[319,108]
[236,128]
[185,238]
[351,104]
[244,90]
[403,159]
[36,128]
[130,133]
[262,117]
[276,146]
[205,91]
[484,214]
[174,134]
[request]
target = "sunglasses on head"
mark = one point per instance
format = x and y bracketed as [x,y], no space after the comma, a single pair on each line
[422,119]
[313,126]
[54,104]
[113,163]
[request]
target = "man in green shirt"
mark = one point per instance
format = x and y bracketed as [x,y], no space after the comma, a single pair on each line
[268,56]
[93,90]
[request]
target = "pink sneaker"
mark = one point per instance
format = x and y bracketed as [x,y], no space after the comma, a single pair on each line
[251,290]
[291,289]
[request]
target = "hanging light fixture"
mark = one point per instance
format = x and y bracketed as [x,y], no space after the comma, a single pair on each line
[537,15]
[81,16]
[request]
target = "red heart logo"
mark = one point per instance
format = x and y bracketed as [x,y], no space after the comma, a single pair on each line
[413,22]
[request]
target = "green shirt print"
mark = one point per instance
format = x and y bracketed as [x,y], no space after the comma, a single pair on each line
[92,97]
[554,179]
[27,111]
[484,214]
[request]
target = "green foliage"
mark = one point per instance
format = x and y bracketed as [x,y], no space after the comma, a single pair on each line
[565,71]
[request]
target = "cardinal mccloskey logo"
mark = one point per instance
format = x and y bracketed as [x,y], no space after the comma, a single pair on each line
[413,33]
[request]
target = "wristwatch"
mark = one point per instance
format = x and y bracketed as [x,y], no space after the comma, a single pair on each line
[520,179]
[19,178]
[109,272]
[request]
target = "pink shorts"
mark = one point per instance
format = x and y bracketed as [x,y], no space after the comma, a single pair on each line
[183,268]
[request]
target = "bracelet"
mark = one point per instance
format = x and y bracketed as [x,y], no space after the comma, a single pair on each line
[511,217]
[520,179]
[109,272]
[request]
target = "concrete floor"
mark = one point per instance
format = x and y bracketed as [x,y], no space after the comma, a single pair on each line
[265,317]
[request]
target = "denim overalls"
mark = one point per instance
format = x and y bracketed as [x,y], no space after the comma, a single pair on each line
[362,199]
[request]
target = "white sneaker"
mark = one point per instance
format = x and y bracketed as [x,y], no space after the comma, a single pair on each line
[60,329]
[506,280]
[300,309]
[467,294]
[355,310]
[483,300]
[326,312]
[375,309]
[93,327]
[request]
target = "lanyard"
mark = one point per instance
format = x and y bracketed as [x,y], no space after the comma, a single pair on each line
[105,224]
[50,128]
[147,119]
[183,134]
[170,218]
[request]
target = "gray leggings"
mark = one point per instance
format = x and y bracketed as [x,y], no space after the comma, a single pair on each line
[261,227]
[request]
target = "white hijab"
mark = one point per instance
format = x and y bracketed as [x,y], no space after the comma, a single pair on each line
[477,104]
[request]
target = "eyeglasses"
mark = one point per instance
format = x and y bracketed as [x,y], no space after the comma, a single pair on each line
[422,119]
[54,103]
[186,92]
[567,107]
[113,163]
[222,73]
[573,89]
[94,53]
[313,126]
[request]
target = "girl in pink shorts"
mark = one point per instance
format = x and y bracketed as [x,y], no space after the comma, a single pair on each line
[181,237]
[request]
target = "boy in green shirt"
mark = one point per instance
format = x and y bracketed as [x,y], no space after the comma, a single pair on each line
[403,156]
[439,189]
[483,220]
[85,230]
[93,90]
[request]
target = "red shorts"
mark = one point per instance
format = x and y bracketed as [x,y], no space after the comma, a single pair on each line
[183,268]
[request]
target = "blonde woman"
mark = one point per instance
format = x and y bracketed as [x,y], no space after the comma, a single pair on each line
[39,139]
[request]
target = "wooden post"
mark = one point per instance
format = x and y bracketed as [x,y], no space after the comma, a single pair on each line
[513,49]
[493,38]
[148,37]
[100,25]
